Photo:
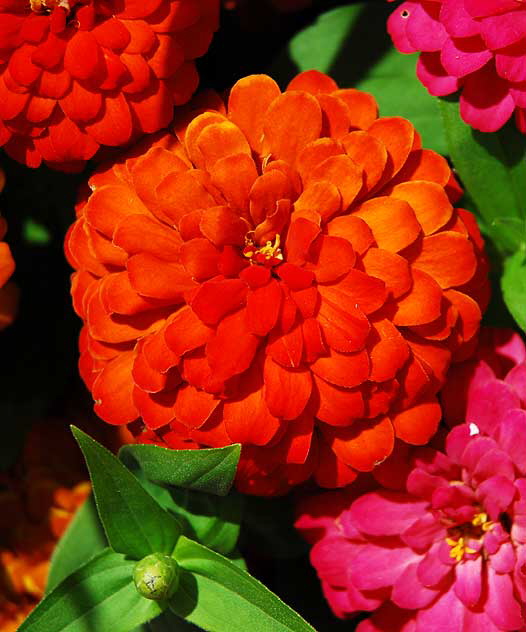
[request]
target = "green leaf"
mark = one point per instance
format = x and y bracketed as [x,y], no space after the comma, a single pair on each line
[83,539]
[493,170]
[100,596]
[217,595]
[211,470]
[513,284]
[134,522]
[351,44]
[167,622]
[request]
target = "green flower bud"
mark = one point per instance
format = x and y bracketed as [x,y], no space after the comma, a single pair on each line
[156,576]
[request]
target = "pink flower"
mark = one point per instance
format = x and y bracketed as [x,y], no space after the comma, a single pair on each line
[447,553]
[478,46]
[490,384]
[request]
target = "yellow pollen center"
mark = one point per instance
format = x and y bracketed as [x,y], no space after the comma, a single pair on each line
[265,253]
[42,6]
[471,530]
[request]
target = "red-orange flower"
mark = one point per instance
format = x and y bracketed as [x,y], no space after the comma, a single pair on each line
[8,290]
[78,74]
[38,499]
[288,273]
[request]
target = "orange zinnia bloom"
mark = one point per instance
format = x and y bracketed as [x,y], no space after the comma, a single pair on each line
[38,499]
[288,273]
[79,74]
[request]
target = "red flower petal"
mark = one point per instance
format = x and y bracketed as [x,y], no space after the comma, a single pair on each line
[287,391]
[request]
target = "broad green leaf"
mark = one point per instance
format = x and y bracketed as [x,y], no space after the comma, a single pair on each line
[209,519]
[98,597]
[217,595]
[351,44]
[167,622]
[83,539]
[134,522]
[492,168]
[210,470]
[513,284]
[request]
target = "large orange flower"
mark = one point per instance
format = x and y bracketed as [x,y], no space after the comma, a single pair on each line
[38,499]
[78,74]
[288,273]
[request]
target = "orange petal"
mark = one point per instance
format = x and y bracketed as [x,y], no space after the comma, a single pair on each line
[424,164]
[118,296]
[362,446]
[397,135]
[113,391]
[193,407]
[200,258]
[429,202]
[469,313]
[331,258]
[392,222]
[235,190]
[343,173]
[287,391]
[155,409]
[182,193]
[356,289]
[218,297]
[248,103]
[140,233]
[219,140]
[345,327]
[343,369]
[314,154]
[300,236]
[448,257]
[330,471]
[263,305]
[387,349]
[185,332]
[318,200]
[416,425]
[194,129]
[422,304]
[156,278]
[291,122]
[369,154]
[287,349]
[105,251]
[392,269]
[338,406]
[354,230]
[222,226]
[108,205]
[362,106]
[434,356]
[265,193]
[337,118]
[313,81]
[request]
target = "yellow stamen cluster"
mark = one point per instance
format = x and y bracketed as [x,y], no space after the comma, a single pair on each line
[459,546]
[268,251]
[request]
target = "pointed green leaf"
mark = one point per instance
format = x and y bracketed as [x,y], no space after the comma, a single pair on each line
[217,595]
[100,596]
[514,286]
[210,470]
[134,522]
[492,168]
[167,622]
[83,539]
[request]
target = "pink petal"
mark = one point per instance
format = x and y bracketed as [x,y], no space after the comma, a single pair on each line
[456,19]
[460,57]
[331,557]
[482,8]
[423,533]
[488,403]
[432,570]
[457,441]
[494,462]
[445,615]
[519,574]
[511,436]
[478,621]
[385,512]
[468,583]
[511,62]
[424,31]
[389,618]
[503,561]
[516,378]
[501,604]
[433,75]
[377,566]
[423,484]
[500,31]
[409,593]
[496,495]
[397,26]
[486,103]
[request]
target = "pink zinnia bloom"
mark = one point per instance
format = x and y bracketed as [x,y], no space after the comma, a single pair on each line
[448,552]
[473,45]
[493,382]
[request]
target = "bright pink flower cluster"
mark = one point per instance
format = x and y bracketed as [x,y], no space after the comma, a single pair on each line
[478,46]
[448,551]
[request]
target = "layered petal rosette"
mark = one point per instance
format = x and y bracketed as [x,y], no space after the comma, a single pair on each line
[447,552]
[288,272]
[79,74]
[473,46]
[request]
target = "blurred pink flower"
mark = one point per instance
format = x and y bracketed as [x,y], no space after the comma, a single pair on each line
[478,46]
[448,551]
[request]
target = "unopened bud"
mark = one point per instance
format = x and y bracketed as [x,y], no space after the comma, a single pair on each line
[156,576]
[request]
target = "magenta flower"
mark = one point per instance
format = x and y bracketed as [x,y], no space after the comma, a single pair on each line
[448,553]
[478,46]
